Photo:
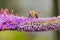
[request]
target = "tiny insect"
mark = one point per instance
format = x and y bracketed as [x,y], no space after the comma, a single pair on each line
[32,14]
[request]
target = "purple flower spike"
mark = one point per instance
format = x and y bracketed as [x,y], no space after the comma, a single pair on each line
[9,21]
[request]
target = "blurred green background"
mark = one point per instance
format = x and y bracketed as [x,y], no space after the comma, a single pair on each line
[47,8]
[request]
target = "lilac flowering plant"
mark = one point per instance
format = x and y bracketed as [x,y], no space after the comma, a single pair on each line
[9,21]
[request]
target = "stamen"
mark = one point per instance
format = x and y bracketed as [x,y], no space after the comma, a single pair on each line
[5,11]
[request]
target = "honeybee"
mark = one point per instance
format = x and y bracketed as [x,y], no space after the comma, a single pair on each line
[32,14]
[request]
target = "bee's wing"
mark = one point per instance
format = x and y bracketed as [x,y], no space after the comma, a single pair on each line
[38,12]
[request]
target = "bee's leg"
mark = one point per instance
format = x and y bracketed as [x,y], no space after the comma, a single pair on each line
[36,16]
